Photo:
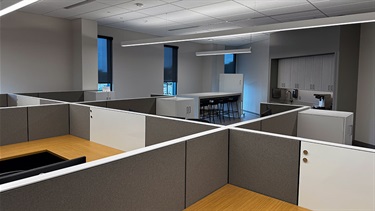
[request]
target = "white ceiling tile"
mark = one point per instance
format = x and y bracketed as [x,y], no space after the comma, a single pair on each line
[146,4]
[223,9]
[162,9]
[171,1]
[102,13]
[188,4]
[255,22]
[260,5]
[68,13]
[113,2]
[299,16]
[120,18]
[243,16]
[185,17]
[329,3]
[353,8]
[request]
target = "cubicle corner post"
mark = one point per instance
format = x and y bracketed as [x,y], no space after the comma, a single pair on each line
[206,165]
[79,121]
[48,121]
[267,164]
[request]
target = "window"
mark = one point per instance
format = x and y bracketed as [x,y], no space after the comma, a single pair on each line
[104,62]
[170,70]
[230,63]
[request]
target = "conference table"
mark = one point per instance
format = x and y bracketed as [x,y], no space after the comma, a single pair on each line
[209,95]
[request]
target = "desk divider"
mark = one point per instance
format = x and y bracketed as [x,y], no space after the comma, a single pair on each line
[118,129]
[68,96]
[264,163]
[96,103]
[13,125]
[48,121]
[277,108]
[141,105]
[79,120]
[3,100]
[160,129]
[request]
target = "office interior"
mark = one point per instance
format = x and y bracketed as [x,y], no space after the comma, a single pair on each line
[44,54]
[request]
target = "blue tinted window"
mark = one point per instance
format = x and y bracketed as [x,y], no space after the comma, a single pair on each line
[104,62]
[229,63]
[170,70]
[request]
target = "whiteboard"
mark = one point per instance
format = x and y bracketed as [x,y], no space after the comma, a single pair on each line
[117,129]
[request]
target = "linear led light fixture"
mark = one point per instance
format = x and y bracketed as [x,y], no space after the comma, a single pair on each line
[270,28]
[16,6]
[78,4]
[222,52]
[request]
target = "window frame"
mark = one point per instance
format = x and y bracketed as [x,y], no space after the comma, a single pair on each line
[109,61]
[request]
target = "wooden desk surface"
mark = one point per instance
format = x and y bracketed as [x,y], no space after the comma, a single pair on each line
[67,146]
[231,197]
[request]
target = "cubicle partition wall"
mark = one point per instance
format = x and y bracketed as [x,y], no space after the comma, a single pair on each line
[141,105]
[26,123]
[284,123]
[168,176]
[3,100]
[264,163]
[160,129]
[275,108]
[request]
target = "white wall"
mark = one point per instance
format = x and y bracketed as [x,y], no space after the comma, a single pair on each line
[255,67]
[36,53]
[213,67]
[365,118]
[139,71]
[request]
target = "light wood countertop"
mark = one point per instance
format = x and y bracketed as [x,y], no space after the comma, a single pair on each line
[67,146]
[231,197]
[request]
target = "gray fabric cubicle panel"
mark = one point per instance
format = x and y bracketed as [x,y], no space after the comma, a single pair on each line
[3,100]
[159,129]
[144,105]
[285,124]
[29,94]
[265,164]
[13,125]
[154,180]
[48,121]
[252,126]
[276,108]
[96,103]
[206,165]
[79,121]
[71,96]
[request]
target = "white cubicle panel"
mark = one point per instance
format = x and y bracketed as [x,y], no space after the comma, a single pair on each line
[118,129]
[336,178]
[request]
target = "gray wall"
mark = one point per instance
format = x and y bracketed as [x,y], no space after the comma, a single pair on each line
[79,121]
[265,164]
[304,42]
[36,53]
[365,121]
[255,67]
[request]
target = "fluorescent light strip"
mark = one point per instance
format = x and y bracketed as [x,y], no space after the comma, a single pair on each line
[16,6]
[286,26]
[222,52]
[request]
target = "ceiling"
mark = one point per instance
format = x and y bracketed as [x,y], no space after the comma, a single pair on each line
[182,17]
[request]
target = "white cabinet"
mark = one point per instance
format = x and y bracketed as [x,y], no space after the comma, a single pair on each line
[307,73]
[175,107]
[98,95]
[284,73]
[336,178]
[328,73]
[297,73]
[313,71]
[331,126]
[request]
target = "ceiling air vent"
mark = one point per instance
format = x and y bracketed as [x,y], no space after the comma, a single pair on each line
[78,4]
